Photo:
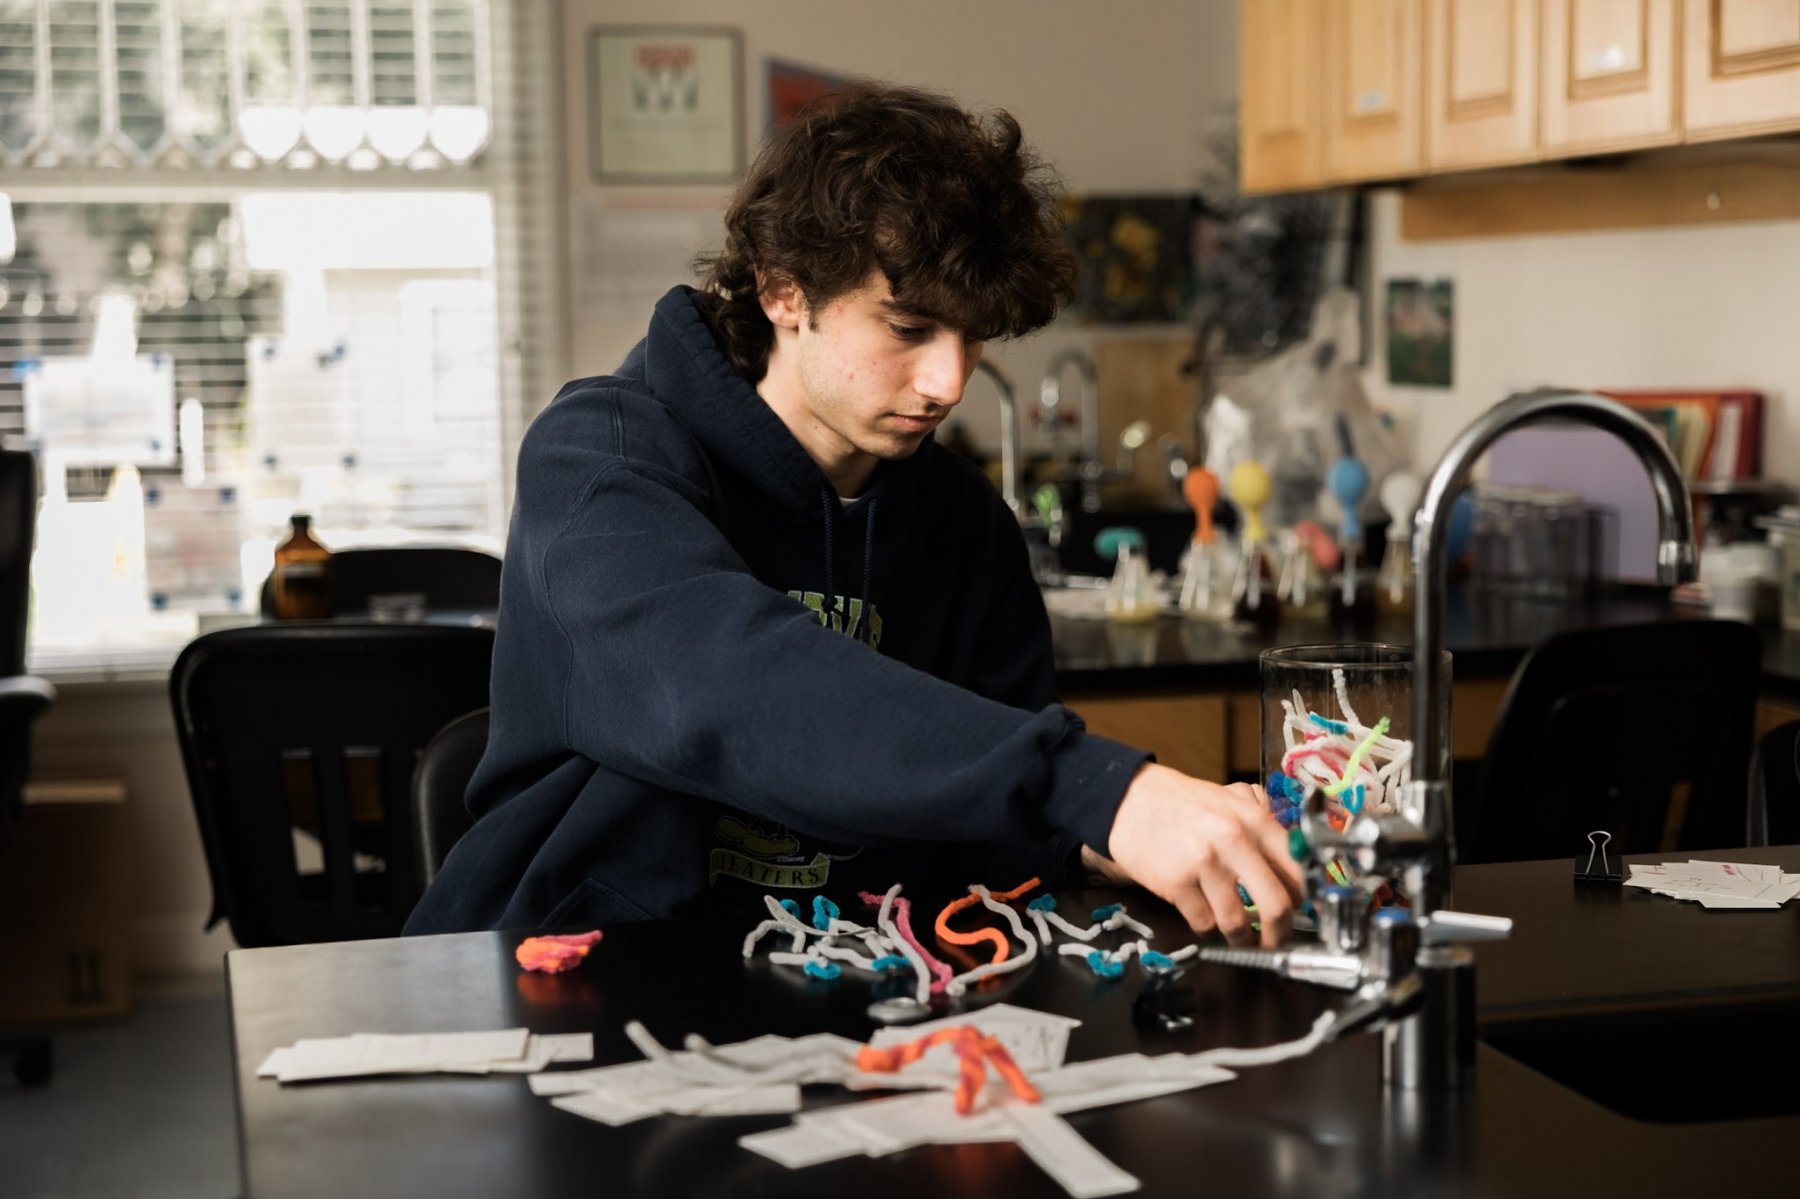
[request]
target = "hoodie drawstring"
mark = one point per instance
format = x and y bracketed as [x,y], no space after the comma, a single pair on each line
[831,506]
[830,503]
[869,559]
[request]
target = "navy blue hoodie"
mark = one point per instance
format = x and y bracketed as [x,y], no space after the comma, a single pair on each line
[713,680]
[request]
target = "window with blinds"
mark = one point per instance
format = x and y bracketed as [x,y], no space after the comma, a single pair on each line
[266,256]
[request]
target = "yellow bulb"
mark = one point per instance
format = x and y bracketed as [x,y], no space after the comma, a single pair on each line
[1249,486]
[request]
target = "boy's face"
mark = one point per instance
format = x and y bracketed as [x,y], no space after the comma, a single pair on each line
[859,380]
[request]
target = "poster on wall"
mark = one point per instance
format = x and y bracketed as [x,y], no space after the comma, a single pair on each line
[1421,324]
[792,87]
[1136,255]
[665,105]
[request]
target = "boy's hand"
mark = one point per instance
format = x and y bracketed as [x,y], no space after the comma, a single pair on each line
[1192,842]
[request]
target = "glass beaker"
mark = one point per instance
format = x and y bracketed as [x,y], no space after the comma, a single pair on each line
[1338,719]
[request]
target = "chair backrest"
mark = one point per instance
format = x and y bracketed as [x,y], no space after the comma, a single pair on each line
[22,700]
[1641,730]
[451,578]
[300,743]
[18,527]
[440,787]
[1775,786]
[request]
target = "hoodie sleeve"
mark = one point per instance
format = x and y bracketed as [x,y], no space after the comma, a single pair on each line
[681,668]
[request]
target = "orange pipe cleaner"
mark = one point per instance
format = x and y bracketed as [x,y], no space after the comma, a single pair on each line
[974,1053]
[991,936]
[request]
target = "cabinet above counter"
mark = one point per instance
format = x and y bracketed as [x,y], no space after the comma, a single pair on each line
[1367,90]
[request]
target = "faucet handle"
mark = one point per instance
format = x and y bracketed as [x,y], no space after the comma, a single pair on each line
[1460,928]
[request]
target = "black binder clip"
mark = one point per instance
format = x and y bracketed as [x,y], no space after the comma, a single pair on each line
[1599,868]
[1163,1006]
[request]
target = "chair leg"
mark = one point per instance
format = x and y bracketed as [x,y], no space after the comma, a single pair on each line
[33,1060]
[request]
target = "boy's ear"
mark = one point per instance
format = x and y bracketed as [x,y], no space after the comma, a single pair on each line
[782,301]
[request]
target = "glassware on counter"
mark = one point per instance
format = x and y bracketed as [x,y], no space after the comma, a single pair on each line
[1208,563]
[301,583]
[1533,542]
[1253,597]
[1337,719]
[1132,596]
[1301,588]
[1394,585]
[1784,532]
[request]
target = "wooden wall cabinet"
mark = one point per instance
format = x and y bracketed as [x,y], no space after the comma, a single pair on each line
[1351,91]
[1608,72]
[1742,71]
[1280,121]
[1481,93]
[1373,89]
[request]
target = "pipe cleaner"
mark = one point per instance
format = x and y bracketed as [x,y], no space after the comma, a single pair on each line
[960,983]
[555,952]
[974,1050]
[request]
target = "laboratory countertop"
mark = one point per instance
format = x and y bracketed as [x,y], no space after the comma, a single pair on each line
[1579,963]
[1487,637]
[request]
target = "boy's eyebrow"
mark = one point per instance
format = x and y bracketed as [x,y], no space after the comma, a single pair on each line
[898,309]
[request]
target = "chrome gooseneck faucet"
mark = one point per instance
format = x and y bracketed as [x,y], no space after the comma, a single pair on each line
[1089,469]
[1410,976]
[1429,803]
[1009,436]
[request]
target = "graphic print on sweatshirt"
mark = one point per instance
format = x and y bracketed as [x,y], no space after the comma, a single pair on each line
[764,852]
[845,615]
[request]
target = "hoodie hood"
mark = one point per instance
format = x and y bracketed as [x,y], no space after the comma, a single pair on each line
[679,361]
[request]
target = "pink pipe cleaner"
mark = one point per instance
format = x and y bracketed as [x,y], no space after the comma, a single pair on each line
[940,973]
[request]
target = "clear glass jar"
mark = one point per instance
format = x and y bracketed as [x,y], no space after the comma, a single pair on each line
[1338,719]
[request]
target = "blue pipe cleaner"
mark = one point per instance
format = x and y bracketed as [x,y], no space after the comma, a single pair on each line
[1157,962]
[1278,786]
[791,908]
[1104,966]
[826,970]
[1329,725]
[1244,895]
[1043,903]
[1107,911]
[824,912]
[1353,803]
[890,961]
[1289,817]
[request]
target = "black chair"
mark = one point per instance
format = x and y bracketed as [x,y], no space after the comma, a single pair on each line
[300,743]
[1641,730]
[451,578]
[18,529]
[22,698]
[440,787]
[1775,786]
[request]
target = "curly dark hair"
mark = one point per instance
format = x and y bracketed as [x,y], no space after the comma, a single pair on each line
[959,214]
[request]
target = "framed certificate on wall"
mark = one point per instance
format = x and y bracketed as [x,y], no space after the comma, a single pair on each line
[665,104]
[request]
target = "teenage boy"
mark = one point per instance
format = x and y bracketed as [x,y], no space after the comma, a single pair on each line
[759,633]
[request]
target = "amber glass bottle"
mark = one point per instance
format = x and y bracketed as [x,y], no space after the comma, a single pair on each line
[302,583]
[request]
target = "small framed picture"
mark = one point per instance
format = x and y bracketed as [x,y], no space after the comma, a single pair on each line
[665,104]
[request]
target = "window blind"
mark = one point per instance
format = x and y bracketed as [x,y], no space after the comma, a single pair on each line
[363,336]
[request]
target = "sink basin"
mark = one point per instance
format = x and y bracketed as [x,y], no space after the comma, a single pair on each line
[1676,1066]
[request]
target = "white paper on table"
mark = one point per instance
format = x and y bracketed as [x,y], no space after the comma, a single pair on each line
[756,1100]
[1123,1079]
[607,1107]
[1694,879]
[796,1147]
[377,1053]
[623,1076]
[543,1049]
[1064,1154]
[271,1065]
[1732,901]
